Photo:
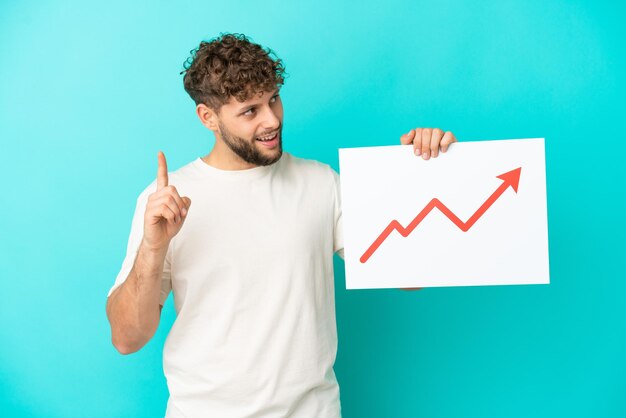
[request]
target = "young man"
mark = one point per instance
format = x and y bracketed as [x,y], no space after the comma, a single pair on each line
[250,265]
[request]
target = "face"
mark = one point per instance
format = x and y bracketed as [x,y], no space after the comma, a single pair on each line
[253,129]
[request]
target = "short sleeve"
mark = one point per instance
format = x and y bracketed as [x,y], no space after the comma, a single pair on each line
[134,239]
[338,230]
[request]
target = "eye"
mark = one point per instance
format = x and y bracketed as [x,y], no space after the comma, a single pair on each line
[252,110]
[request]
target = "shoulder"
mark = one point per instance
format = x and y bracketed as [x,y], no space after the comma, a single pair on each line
[190,171]
[179,177]
[307,167]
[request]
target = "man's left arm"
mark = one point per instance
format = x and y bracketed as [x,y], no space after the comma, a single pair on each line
[427,143]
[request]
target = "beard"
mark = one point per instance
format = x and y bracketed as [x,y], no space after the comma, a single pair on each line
[248,150]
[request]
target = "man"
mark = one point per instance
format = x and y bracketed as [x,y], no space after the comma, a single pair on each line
[250,265]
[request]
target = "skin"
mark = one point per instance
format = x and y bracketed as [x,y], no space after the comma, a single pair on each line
[133,309]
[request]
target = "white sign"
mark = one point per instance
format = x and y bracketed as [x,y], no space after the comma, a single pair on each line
[475,215]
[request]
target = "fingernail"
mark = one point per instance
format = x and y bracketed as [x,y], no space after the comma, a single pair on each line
[418,151]
[425,155]
[184,211]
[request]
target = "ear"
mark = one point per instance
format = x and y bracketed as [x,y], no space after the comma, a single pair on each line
[207,116]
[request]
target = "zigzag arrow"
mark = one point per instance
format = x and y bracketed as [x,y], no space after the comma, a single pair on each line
[510,178]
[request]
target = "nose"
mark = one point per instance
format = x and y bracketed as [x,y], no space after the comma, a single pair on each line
[271,121]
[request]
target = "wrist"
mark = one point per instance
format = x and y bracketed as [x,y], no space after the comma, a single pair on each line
[152,248]
[150,259]
[149,251]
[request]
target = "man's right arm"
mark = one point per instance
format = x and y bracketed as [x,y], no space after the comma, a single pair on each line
[132,307]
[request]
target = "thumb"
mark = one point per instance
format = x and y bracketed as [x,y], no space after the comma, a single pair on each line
[408,137]
[187,201]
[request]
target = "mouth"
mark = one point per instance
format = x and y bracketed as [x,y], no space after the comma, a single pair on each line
[269,141]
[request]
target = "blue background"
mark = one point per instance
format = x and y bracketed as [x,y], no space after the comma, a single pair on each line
[90,91]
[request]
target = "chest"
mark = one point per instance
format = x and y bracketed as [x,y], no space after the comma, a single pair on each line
[261,223]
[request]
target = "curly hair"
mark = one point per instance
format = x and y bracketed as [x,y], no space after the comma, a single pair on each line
[230,65]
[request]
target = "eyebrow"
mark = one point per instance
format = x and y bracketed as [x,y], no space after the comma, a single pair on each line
[250,106]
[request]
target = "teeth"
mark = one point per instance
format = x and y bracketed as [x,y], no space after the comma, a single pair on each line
[266,138]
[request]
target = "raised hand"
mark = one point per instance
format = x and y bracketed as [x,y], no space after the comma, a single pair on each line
[165,212]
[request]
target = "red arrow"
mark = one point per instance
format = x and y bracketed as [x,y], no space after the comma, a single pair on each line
[510,178]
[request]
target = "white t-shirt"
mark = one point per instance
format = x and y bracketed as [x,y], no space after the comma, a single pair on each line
[251,271]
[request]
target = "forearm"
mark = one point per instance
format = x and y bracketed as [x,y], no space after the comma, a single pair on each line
[133,308]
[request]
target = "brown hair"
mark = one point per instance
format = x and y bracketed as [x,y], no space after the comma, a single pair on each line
[230,65]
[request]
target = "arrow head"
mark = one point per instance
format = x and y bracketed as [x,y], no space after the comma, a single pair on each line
[511,178]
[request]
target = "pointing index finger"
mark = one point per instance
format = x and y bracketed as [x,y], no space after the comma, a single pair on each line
[162,172]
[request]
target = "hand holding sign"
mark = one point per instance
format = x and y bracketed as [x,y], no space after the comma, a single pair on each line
[165,212]
[428,142]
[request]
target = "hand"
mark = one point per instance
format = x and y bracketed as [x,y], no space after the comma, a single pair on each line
[427,142]
[165,211]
